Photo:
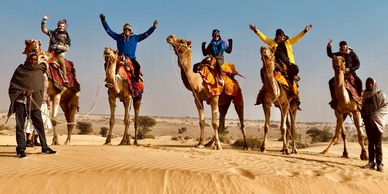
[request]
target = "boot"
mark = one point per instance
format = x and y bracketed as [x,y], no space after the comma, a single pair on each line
[29,141]
[260,96]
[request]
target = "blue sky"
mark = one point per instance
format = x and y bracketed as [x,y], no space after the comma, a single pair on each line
[361,23]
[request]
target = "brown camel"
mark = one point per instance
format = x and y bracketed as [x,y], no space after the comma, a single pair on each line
[118,88]
[67,98]
[277,95]
[194,83]
[346,106]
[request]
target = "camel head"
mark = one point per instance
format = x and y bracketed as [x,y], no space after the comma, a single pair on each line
[268,58]
[110,54]
[338,63]
[180,46]
[32,45]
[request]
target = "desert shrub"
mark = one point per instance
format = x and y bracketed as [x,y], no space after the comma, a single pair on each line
[4,128]
[145,125]
[274,126]
[175,138]
[187,137]
[253,142]
[318,135]
[104,131]
[149,136]
[182,130]
[225,139]
[84,128]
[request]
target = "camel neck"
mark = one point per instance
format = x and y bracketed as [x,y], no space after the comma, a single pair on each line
[187,75]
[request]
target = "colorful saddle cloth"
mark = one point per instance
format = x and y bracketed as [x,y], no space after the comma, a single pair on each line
[349,85]
[55,74]
[126,72]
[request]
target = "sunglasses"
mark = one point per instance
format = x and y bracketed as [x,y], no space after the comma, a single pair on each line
[127,29]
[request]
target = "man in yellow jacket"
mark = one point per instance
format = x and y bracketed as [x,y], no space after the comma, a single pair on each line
[282,46]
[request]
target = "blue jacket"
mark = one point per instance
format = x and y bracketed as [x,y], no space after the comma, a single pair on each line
[127,45]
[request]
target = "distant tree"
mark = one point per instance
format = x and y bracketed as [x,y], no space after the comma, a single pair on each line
[318,135]
[104,131]
[182,130]
[84,128]
[145,125]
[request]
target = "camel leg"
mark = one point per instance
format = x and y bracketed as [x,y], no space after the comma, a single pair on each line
[340,121]
[214,109]
[344,134]
[267,114]
[112,105]
[126,140]
[54,112]
[283,118]
[223,109]
[136,106]
[240,112]
[293,129]
[361,135]
[201,115]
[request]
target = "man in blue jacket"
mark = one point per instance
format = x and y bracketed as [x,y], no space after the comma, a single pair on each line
[127,41]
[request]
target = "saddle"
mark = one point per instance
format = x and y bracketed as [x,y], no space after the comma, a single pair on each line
[350,87]
[125,70]
[55,74]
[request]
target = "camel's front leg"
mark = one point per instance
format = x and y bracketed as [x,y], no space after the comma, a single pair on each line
[283,129]
[126,139]
[112,105]
[201,117]
[214,109]
[293,113]
[361,135]
[340,121]
[240,112]
[54,112]
[136,106]
[267,115]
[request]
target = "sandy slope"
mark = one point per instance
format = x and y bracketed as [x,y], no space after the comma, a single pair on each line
[172,167]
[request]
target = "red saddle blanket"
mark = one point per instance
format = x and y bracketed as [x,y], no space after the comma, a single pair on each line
[126,72]
[54,74]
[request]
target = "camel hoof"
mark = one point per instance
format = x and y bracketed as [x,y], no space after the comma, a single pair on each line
[199,146]
[285,152]
[363,155]
[323,152]
[246,148]
[262,149]
[107,143]
[218,147]
[345,156]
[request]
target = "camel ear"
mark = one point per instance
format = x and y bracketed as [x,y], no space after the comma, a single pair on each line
[189,43]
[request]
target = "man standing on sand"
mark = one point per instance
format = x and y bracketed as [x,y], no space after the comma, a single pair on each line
[374,113]
[26,95]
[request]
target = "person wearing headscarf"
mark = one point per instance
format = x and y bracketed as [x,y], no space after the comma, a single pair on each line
[26,95]
[374,114]
[60,42]
[127,42]
[352,63]
[282,45]
[216,49]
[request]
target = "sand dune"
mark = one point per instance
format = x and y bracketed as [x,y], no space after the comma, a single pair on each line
[172,167]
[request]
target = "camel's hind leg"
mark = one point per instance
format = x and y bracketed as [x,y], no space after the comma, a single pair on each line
[240,112]
[136,106]
[283,129]
[267,114]
[292,127]
[112,105]
[55,105]
[126,139]
[214,109]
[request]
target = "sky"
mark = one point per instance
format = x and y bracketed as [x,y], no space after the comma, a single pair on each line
[363,24]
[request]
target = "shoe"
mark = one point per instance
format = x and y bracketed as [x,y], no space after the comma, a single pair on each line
[48,151]
[29,144]
[21,154]
[221,82]
[370,165]
[36,143]
[380,167]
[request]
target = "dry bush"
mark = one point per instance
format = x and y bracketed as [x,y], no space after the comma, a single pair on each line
[182,130]
[104,131]
[145,125]
[318,135]
[84,128]
[253,142]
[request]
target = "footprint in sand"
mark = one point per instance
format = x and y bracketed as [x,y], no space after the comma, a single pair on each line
[243,172]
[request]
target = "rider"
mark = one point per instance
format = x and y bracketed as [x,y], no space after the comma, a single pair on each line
[59,42]
[282,45]
[127,42]
[216,49]
[352,63]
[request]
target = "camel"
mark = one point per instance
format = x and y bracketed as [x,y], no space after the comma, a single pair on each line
[67,99]
[118,88]
[194,83]
[277,95]
[346,106]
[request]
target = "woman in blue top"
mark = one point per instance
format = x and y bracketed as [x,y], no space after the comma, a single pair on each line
[127,41]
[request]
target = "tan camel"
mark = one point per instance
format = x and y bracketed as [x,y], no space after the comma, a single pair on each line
[346,106]
[67,98]
[194,83]
[278,96]
[118,88]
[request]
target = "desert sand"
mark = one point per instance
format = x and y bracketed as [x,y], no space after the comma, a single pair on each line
[162,165]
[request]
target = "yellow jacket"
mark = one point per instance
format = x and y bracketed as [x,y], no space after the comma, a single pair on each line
[289,42]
